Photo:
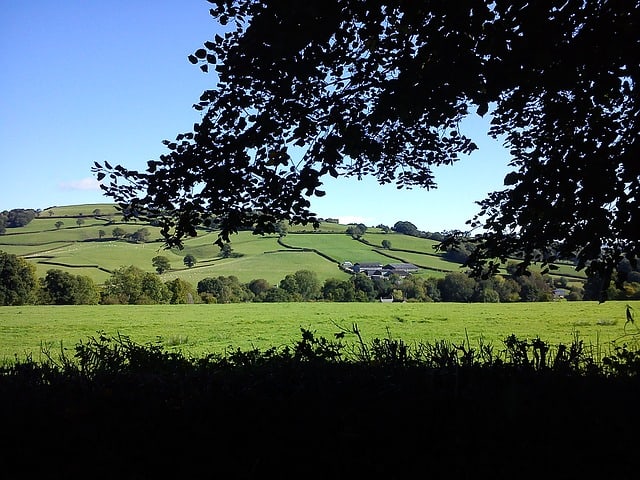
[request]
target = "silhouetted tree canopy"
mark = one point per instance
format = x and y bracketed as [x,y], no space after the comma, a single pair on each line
[350,88]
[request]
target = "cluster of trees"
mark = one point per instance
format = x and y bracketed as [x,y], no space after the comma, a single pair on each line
[407,228]
[139,236]
[357,230]
[15,218]
[132,285]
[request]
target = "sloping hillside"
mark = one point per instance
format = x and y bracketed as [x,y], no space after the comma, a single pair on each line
[89,240]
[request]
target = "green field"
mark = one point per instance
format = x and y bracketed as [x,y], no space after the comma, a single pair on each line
[80,250]
[200,329]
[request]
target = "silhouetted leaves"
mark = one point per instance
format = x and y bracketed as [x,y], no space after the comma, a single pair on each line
[353,89]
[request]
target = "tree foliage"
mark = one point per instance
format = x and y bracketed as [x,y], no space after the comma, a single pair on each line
[223,290]
[348,88]
[18,217]
[182,292]
[189,260]
[133,286]
[18,280]
[63,288]
[303,285]
[357,230]
[406,228]
[161,263]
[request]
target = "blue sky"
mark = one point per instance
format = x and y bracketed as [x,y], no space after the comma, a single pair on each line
[86,81]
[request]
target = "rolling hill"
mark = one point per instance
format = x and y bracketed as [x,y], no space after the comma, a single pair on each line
[80,239]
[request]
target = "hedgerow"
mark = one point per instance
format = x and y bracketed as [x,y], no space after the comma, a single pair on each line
[321,408]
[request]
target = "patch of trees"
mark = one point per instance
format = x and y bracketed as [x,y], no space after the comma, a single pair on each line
[18,280]
[16,218]
[62,288]
[133,286]
[356,230]
[139,236]
[19,285]
[408,228]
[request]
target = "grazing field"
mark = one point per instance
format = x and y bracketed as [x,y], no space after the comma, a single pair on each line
[201,329]
[84,245]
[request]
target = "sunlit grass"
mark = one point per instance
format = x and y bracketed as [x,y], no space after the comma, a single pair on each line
[214,328]
[80,250]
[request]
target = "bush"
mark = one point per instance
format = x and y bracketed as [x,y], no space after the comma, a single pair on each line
[325,409]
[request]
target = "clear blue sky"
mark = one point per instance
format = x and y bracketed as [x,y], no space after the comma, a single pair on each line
[85,81]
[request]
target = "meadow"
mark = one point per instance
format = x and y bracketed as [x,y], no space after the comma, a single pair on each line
[78,249]
[200,329]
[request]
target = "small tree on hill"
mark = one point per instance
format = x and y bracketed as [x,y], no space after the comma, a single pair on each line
[161,264]
[189,260]
[59,224]
[356,231]
[226,251]
[141,235]
[118,232]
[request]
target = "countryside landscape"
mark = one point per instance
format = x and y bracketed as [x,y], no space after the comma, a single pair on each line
[80,240]
[479,386]
[268,342]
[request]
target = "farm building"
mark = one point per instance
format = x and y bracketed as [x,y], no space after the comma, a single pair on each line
[378,270]
[369,269]
[402,269]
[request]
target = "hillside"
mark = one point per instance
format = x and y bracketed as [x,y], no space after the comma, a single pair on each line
[80,239]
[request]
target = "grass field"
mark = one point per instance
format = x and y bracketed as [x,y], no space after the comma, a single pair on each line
[200,329]
[80,250]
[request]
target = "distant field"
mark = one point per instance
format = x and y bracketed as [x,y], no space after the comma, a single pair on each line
[79,249]
[74,210]
[200,329]
[340,247]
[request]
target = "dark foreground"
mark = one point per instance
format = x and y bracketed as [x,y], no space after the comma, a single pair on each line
[127,411]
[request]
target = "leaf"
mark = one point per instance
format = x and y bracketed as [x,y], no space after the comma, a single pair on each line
[511,178]
[101,175]
[106,164]
[209,45]
[192,59]
[201,53]
[483,108]
[204,68]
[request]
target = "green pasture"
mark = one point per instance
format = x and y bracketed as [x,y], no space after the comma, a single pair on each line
[79,250]
[201,329]
[76,210]
[33,250]
[404,242]
[340,247]
[273,267]
[422,260]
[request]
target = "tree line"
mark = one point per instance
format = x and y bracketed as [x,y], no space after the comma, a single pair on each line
[130,285]
[18,217]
